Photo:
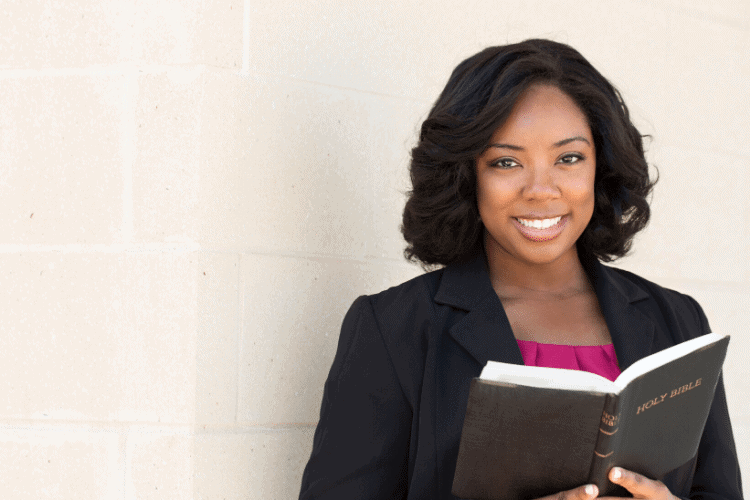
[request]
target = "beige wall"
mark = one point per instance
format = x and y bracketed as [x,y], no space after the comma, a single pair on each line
[193,192]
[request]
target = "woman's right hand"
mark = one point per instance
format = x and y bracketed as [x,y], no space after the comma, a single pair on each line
[586,492]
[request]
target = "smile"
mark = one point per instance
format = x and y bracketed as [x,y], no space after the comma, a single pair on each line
[539,223]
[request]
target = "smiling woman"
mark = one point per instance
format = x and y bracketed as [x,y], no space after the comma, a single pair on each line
[527,175]
[535,180]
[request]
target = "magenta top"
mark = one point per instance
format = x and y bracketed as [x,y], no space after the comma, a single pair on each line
[599,359]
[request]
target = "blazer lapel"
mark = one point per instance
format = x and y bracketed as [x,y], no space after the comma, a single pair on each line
[632,332]
[484,332]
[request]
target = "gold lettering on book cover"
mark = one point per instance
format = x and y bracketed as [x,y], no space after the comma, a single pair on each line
[651,402]
[685,388]
[675,392]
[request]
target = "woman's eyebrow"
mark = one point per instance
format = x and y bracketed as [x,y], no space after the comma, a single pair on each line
[506,146]
[571,139]
[556,145]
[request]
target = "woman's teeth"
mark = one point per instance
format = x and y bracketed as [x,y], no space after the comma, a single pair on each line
[539,223]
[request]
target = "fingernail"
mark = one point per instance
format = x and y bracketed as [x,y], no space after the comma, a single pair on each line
[616,474]
[590,490]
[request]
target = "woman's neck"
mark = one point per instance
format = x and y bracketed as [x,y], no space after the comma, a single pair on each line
[562,277]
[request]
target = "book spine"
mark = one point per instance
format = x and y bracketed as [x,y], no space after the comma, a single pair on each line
[606,444]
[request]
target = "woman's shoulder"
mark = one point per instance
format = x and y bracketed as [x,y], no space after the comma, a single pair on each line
[412,311]
[397,323]
[413,292]
[655,290]
[403,312]
[675,306]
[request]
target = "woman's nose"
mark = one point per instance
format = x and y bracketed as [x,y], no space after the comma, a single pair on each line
[541,183]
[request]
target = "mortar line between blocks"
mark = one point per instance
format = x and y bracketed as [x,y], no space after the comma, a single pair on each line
[111,70]
[93,426]
[78,248]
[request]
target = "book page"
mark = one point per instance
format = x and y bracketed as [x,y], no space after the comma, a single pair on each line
[551,378]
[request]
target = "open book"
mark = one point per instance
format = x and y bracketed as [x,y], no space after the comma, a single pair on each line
[533,431]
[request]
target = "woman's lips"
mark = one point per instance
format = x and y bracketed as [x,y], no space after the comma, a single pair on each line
[541,229]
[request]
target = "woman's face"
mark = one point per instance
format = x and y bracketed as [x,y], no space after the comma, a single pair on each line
[535,180]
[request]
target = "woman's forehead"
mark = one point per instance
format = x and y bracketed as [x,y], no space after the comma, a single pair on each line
[543,112]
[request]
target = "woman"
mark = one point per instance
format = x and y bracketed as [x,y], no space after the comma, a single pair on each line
[527,174]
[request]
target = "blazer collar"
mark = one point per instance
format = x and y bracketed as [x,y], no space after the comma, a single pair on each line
[486,333]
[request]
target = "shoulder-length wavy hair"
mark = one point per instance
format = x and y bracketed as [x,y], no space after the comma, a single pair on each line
[441,222]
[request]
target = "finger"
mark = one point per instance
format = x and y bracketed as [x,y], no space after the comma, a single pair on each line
[586,492]
[589,491]
[639,486]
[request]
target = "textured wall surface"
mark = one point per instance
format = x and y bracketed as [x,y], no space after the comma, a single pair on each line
[193,192]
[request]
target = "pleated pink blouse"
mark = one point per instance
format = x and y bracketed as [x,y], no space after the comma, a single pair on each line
[599,359]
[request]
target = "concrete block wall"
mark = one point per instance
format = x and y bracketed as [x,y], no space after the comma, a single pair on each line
[194,192]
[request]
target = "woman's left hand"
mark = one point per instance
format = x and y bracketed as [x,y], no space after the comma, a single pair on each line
[639,486]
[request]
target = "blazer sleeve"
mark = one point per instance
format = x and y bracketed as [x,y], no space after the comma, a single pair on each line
[361,444]
[717,470]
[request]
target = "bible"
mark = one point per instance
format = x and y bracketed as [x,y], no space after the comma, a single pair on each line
[532,431]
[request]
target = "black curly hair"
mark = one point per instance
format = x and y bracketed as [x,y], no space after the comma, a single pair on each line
[441,222]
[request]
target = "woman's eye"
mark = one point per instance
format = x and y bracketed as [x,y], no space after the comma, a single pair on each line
[573,158]
[505,163]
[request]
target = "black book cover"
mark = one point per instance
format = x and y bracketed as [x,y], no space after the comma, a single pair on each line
[525,442]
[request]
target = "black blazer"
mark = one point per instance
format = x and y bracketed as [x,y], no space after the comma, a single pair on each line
[394,401]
